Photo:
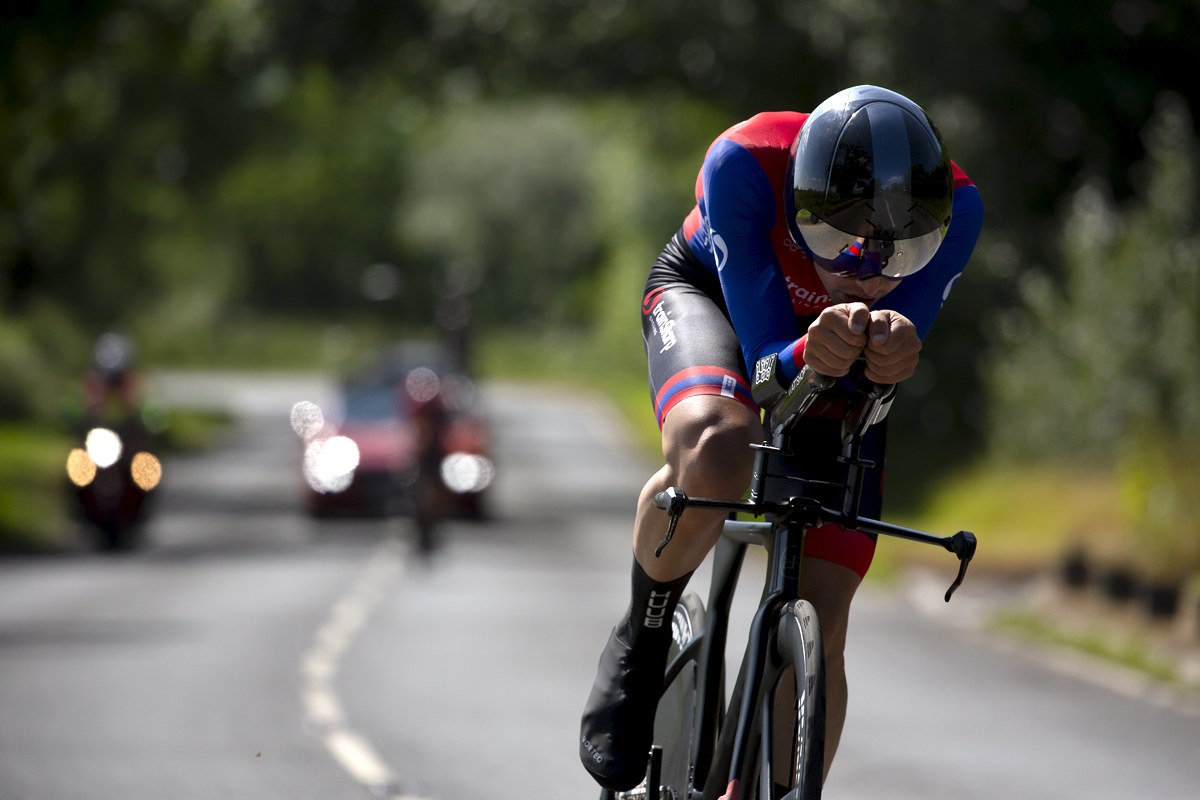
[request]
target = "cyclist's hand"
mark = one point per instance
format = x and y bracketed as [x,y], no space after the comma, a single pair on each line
[893,347]
[836,338]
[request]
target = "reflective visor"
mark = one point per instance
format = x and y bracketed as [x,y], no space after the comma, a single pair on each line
[847,255]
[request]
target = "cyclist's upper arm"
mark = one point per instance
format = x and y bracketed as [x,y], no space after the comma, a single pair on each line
[741,211]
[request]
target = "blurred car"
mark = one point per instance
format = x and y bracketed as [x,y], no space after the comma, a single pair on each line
[408,440]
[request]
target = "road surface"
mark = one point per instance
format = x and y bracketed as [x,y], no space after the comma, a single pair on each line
[249,652]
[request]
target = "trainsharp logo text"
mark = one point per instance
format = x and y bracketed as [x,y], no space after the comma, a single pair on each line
[666,326]
[804,296]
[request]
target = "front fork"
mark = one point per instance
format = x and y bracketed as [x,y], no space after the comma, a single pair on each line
[758,668]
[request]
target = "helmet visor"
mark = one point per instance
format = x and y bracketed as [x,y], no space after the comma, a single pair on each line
[852,256]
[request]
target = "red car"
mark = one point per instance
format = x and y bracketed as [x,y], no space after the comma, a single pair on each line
[407,442]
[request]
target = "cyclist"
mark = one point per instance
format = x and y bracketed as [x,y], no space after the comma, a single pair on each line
[819,238]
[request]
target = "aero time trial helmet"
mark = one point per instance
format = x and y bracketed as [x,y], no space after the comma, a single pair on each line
[870,186]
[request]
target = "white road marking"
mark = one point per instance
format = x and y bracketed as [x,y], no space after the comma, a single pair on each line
[319,666]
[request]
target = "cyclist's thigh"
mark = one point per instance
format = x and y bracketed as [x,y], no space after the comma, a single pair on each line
[691,347]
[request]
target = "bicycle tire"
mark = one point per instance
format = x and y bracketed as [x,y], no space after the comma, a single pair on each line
[798,641]
[674,720]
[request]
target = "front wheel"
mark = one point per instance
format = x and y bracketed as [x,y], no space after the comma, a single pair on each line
[799,643]
[793,749]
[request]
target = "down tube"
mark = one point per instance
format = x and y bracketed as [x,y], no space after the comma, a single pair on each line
[727,564]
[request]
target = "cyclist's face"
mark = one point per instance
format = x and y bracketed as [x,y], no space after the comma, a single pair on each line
[855,290]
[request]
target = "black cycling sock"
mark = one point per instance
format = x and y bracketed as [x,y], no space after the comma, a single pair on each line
[647,621]
[618,720]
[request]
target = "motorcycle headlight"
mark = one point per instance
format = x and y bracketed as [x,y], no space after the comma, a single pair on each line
[104,446]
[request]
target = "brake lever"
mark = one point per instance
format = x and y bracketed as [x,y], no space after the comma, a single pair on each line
[672,500]
[962,544]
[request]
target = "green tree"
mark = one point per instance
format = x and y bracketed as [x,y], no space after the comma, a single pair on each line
[1106,368]
[1115,348]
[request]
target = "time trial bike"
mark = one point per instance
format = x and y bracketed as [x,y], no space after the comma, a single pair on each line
[702,743]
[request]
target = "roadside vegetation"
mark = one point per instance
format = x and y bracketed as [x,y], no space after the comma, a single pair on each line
[279,185]
[1127,651]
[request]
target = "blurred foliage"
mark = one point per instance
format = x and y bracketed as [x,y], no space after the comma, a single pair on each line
[1159,482]
[32,486]
[1124,649]
[1116,347]
[501,192]
[190,430]
[192,170]
[1026,516]
[1108,368]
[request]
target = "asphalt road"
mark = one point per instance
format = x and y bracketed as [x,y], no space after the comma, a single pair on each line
[249,652]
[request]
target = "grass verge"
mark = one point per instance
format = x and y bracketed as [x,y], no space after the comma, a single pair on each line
[186,430]
[32,486]
[1025,516]
[1126,652]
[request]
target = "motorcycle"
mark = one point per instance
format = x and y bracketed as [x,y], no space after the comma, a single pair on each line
[113,478]
[114,473]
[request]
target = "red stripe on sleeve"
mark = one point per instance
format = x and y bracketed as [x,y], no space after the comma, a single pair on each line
[960,177]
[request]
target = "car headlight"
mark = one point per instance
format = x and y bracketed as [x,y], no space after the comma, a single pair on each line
[329,464]
[465,472]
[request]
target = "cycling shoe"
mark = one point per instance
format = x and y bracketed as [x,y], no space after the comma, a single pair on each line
[618,720]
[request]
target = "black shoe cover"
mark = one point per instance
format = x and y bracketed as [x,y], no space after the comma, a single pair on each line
[618,720]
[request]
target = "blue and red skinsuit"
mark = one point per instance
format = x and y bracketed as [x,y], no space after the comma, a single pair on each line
[737,230]
[770,289]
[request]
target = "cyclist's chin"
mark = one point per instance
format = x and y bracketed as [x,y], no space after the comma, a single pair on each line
[839,297]
[849,290]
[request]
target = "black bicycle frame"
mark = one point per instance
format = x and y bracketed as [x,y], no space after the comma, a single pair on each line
[730,756]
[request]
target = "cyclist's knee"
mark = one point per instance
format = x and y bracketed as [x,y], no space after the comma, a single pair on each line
[830,588]
[706,441]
